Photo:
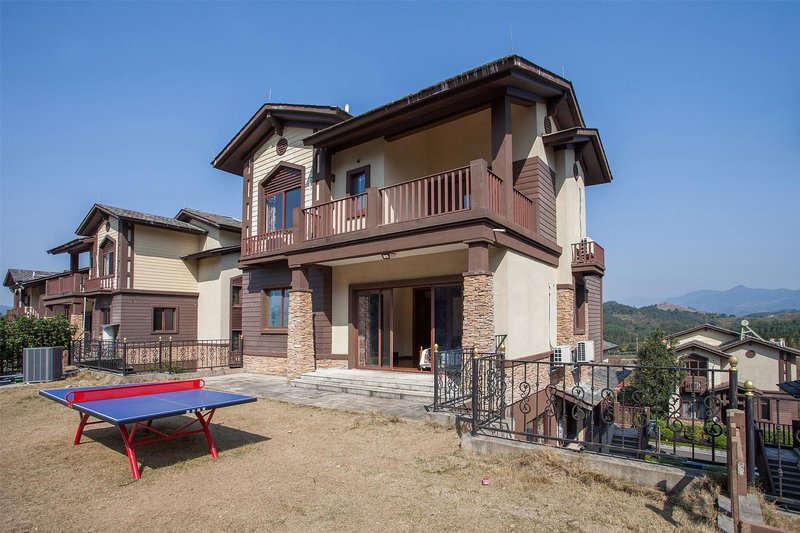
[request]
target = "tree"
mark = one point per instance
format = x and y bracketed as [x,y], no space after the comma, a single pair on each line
[656,379]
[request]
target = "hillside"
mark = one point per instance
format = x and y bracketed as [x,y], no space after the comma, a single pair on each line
[623,323]
[740,300]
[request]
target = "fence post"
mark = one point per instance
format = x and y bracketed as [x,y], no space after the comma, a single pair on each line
[435,377]
[733,385]
[749,431]
[99,352]
[474,390]
[124,356]
[170,354]
[159,352]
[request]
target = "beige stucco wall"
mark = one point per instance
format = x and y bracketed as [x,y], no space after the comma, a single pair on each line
[570,211]
[369,153]
[216,237]
[266,158]
[762,369]
[524,301]
[214,295]
[707,336]
[157,260]
[405,268]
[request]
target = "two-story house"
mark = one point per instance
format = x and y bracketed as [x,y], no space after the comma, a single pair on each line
[139,276]
[27,286]
[766,363]
[449,216]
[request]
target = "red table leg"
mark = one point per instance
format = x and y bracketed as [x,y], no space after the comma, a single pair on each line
[205,422]
[84,418]
[129,449]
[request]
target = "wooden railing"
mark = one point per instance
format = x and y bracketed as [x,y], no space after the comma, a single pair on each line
[495,186]
[524,211]
[96,284]
[70,283]
[334,218]
[588,253]
[437,194]
[695,384]
[271,242]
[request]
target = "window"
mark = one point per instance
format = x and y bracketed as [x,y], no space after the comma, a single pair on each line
[279,209]
[164,320]
[580,306]
[275,308]
[697,366]
[108,263]
[236,338]
[105,316]
[766,411]
[236,295]
[358,183]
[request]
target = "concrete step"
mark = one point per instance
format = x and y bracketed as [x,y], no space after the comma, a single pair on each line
[391,393]
[378,382]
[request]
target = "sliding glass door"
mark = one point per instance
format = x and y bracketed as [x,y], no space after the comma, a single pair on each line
[374,325]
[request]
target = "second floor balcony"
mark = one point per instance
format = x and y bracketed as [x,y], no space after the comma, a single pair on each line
[589,257]
[64,285]
[451,197]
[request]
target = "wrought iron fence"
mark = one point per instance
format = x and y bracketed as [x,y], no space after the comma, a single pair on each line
[170,356]
[653,413]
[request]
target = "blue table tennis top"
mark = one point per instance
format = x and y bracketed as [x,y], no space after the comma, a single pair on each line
[146,407]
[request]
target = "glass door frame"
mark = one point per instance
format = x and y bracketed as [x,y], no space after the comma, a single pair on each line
[424,283]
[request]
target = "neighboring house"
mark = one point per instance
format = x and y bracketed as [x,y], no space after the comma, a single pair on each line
[27,286]
[449,216]
[767,364]
[148,276]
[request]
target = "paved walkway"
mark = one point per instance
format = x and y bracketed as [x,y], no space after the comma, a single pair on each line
[276,388]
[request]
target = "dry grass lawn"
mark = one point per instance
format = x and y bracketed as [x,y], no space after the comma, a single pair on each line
[294,468]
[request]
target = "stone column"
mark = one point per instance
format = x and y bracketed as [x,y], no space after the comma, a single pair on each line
[478,313]
[300,342]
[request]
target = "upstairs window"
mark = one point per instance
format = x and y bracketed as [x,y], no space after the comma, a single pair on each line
[108,263]
[281,193]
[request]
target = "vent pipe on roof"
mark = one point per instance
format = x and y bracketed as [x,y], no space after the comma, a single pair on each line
[346,108]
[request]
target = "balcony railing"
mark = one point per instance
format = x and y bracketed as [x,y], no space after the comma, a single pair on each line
[334,218]
[271,242]
[695,384]
[471,191]
[588,253]
[70,283]
[98,284]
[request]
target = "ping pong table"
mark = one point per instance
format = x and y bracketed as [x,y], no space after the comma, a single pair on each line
[137,405]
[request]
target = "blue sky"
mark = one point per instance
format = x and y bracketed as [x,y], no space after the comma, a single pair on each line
[698,105]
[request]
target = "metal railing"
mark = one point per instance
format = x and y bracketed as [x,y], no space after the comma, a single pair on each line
[165,356]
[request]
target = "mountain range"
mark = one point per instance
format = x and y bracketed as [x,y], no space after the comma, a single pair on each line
[739,300]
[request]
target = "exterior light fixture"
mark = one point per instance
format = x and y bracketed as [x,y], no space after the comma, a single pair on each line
[387,255]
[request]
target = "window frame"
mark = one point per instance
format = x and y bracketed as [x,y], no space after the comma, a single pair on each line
[261,196]
[766,403]
[265,326]
[163,308]
[351,174]
[287,217]
[579,305]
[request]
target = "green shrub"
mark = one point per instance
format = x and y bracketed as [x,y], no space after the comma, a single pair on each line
[19,332]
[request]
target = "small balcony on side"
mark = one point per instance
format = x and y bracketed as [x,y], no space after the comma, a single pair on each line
[588,257]
[695,384]
[65,285]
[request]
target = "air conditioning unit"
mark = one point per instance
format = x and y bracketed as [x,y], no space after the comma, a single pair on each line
[585,351]
[41,364]
[562,355]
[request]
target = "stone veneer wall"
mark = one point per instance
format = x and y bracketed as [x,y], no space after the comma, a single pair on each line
[261,364]
[478,315]
[300,344]
[565,329]
[332,363]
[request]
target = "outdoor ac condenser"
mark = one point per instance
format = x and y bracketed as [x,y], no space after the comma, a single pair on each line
[562,355]
[41,364]
[585,351]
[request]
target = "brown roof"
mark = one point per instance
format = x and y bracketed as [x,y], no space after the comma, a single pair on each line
[211,252]
[81,244]
[736,344]
[212,219]
[702,346]
[21,277]
[703,326]
[511,71]
[263,124]
[137,217]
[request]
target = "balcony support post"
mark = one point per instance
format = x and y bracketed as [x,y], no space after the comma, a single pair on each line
[502,155]
[373,208]
[300,339]
[322,176]
[298,225]
[479,183]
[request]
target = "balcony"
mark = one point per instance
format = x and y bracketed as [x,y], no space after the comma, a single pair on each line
[100,284]
[588,257]
[431,202]
[695,384]
[65,285]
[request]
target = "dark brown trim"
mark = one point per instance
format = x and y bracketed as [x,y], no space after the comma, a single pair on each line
[565,286]
[354,172]
[333,357]
[153,292]
[175,321]
[213,252]
[456,279]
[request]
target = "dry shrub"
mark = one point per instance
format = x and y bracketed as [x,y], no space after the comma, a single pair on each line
[699,499]
[775,517]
